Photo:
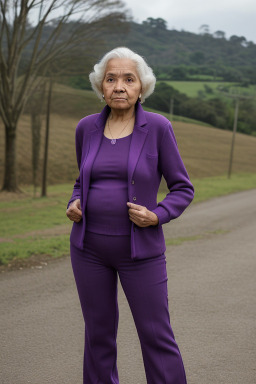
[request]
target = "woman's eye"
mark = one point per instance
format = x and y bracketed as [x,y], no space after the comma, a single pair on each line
[109,80]
[130,80]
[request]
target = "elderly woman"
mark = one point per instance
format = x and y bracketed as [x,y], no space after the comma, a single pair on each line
[122,154]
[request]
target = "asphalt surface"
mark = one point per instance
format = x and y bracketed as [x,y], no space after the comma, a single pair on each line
[211,289]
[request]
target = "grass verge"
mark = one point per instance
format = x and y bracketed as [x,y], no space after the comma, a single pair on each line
[210,187]
[38,227]
[181,240]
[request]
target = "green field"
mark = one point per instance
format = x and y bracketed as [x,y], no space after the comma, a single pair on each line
[192,88]
[38,227]
[204,78]
[175,118]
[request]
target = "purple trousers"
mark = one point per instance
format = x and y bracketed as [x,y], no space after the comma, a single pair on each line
[145,285]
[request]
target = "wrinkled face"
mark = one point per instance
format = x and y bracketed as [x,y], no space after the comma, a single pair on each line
[121,84]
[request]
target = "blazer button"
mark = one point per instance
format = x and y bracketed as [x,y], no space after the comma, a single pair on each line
[132,181]
[134,198]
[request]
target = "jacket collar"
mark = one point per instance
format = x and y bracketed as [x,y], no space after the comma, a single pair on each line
[140,116]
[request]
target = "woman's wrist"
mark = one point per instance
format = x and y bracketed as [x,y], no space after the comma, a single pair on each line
[156,220]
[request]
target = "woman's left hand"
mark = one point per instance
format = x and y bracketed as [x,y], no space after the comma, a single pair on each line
[141,216]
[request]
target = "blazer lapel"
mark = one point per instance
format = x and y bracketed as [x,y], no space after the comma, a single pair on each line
[138,139]
[94,144]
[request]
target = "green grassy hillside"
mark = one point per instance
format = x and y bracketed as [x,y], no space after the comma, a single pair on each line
[193,88]
[205,150]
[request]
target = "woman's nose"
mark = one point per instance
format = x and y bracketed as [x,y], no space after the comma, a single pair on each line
[119,86]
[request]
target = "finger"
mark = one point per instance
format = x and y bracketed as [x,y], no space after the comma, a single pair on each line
[141,217]
[78,204]
[74,218]
[142,212]
[75,204]
[135,206]
[73,213]
[76,211]
[139,223]
[136,215]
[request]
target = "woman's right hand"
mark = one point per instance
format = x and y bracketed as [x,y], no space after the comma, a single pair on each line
[74,212]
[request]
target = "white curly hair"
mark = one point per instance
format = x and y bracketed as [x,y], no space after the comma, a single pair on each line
[145,73]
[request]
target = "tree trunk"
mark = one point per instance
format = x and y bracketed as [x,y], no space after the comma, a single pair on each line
[36,136]
[46,145]
[10,177]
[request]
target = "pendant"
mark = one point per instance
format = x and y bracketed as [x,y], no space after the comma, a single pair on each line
[113,141]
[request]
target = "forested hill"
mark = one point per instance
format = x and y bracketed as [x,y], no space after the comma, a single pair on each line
[174,55]
[181,55]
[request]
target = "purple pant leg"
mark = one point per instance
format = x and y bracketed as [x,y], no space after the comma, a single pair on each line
[147,294]
[97,289]
[145,286]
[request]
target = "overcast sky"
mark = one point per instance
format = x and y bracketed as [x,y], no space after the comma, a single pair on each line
[234,17]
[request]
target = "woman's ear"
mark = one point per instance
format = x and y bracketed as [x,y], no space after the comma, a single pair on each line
[102,94]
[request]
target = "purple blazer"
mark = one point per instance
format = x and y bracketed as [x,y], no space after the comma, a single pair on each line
[153,153]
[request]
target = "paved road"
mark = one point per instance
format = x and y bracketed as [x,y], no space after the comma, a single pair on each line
[211,286]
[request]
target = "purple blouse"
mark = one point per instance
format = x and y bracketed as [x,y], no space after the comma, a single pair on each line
[106,208]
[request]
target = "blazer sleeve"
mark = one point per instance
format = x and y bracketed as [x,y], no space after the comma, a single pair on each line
[181,190]
[78,143]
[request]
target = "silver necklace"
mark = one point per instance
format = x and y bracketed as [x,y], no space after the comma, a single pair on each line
[113,141]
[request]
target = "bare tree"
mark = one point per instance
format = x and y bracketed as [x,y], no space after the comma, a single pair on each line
[33,35]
